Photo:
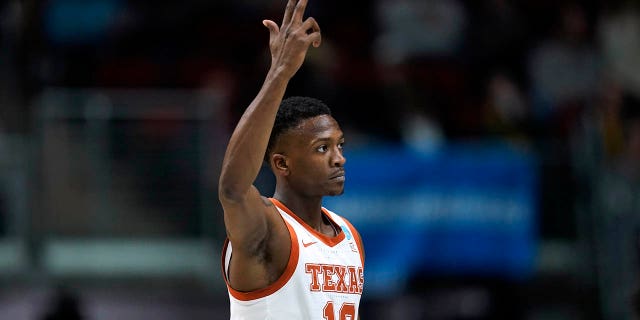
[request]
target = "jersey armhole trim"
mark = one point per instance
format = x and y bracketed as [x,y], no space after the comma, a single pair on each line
[356,236]
[272,288]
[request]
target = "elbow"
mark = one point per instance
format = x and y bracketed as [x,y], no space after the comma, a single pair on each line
[229,192]
[229,195]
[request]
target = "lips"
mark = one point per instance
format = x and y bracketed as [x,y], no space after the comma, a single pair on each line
[338,175]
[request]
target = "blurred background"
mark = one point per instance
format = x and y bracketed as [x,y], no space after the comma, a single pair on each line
[493,153]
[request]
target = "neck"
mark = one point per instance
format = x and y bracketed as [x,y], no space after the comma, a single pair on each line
[309,209]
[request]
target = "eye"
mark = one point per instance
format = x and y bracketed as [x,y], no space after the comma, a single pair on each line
[341,145]
[322,148]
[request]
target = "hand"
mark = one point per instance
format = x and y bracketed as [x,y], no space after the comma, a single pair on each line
[289,42]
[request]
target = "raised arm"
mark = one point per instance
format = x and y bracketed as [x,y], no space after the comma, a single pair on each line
[245,211]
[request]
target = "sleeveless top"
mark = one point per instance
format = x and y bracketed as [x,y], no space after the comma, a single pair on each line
[322,280]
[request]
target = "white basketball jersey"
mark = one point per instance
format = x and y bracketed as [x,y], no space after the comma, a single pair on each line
[323,278]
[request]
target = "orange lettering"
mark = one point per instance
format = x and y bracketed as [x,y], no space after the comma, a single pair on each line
[328,285]
[347,311]
[348,279]
[341,286]
[353,281]
[313,269]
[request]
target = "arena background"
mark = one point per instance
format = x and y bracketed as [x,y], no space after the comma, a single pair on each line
[493,153]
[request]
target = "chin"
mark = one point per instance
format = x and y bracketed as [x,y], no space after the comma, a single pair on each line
[335,192]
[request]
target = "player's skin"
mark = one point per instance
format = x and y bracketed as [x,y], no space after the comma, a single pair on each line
[307,162]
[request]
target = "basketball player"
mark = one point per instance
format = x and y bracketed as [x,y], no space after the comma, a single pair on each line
[287,257]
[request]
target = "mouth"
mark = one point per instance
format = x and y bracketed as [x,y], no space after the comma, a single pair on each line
[338,176]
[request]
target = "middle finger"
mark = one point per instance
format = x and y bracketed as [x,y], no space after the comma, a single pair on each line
[299,11]
[288,12]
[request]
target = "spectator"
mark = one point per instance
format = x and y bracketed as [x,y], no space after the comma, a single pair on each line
[497,39]
[412,28]
[564,70]
[619,38]
[506,110]
[64,306]
[616,207]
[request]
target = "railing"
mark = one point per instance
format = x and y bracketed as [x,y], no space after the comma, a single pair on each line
[115,183]
[15,194]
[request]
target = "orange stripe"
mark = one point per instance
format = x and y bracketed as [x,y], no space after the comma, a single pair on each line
[270,289]
[330,241]
[356,235]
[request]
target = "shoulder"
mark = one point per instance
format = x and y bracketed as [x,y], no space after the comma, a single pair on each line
[351,233]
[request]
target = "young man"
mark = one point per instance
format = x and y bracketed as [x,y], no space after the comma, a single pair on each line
[287,257]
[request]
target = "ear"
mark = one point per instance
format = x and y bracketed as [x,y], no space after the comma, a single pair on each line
[279,164]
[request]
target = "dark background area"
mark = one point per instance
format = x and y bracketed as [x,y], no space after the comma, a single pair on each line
[560,79]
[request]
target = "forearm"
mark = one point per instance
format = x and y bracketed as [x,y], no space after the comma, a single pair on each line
[248,143]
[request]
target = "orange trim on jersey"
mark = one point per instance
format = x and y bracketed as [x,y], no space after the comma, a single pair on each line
[330,241]
[356,235]
[272,288]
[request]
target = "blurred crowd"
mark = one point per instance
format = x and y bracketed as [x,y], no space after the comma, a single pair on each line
[559,78]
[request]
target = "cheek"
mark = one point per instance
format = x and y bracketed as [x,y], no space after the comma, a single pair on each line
[307,172]
[309,168]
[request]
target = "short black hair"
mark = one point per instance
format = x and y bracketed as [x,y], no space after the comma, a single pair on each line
[292,111]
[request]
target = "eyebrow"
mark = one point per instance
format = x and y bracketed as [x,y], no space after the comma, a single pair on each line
[314,141]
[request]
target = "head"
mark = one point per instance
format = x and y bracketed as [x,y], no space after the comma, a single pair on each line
[305,148]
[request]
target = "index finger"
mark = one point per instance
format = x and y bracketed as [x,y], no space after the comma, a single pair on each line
[299,11]
[288,12]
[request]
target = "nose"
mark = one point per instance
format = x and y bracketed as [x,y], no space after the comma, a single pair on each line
[338,159]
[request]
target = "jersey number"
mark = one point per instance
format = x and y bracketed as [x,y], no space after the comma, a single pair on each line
[347,311]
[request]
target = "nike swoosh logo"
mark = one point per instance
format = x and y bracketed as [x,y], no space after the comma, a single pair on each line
[308,243]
